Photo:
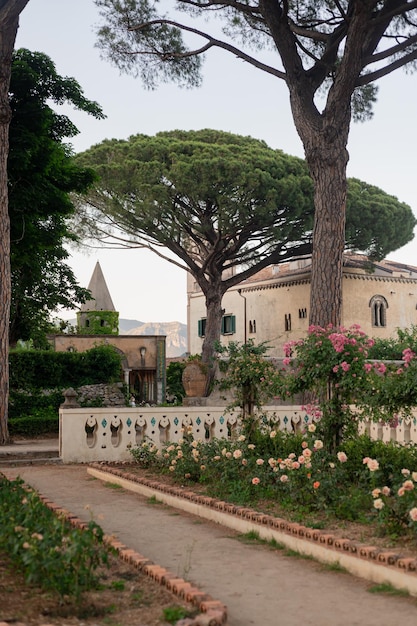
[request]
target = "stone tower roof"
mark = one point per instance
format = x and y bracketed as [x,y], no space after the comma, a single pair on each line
[102,299]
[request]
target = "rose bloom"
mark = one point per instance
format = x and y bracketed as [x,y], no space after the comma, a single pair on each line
[307,464]
[311,428]
[318,444]
[241,438]
[408,485]
[202,467]
[307,453]
[342,457]
[216,458]
[405,472]
[304,444]
[237,454]
[301,459]
[332,465]
[228,455]
[284,478]
[386,491]
[171,468]
[224,452]
[296,465]
[273,434]
[260,461]
[272,462]
[180,454]
[373,465]
[251,446]
[414,476]
[316,484]
[376,493]
[401,491]
[244,462]
[292,455]
[413,514]
[255,481]
[378,504]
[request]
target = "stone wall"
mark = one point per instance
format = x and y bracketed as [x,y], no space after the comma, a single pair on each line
[101,395]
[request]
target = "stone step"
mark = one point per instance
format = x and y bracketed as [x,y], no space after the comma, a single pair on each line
[28,459]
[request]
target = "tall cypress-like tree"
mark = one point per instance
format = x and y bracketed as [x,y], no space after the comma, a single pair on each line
[42,174]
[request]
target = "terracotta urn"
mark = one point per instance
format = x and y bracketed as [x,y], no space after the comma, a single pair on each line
[194,379]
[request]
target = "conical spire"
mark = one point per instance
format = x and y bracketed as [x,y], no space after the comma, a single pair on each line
[102,300]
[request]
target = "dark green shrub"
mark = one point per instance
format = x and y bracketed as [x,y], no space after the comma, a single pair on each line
[45,369]
[174,386]
[40,422]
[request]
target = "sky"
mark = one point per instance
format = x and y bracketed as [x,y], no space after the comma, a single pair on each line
[234,97]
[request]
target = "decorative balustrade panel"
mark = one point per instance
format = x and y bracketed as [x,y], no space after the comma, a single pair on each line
[106,434]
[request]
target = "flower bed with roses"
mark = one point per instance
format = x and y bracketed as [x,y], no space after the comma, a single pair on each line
[328,471]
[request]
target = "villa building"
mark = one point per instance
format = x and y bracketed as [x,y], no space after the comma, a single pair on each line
[273,305]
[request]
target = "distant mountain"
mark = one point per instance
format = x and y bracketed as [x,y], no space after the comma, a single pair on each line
[176,333]
[126,325]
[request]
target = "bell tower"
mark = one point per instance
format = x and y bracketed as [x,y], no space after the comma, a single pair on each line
[98,316]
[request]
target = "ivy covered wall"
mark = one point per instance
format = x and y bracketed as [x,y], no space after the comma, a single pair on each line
[98,322]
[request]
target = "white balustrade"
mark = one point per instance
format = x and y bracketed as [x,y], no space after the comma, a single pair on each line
[108,434]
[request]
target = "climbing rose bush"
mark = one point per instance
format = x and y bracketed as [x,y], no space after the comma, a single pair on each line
[331,365]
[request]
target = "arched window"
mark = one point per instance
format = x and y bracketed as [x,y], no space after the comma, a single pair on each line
[379,306]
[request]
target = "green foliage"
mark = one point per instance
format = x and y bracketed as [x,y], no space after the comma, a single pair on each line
[36,422]
[37,369]
[296,471]
[376,222]
[42,173]
[174,387]
[51,553]
[172,614]
[99,322]
[246,370]
[210,198]
[331,365]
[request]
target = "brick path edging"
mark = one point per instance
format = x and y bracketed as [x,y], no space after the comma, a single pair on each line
[212,612]
[365,561]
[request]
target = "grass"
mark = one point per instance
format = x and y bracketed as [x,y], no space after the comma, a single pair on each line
[388,589]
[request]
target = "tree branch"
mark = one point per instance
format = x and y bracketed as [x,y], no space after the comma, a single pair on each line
[212,42]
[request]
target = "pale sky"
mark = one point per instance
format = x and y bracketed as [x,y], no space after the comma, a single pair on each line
[234,97]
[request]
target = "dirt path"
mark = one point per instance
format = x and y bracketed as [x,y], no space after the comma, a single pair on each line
[259,586]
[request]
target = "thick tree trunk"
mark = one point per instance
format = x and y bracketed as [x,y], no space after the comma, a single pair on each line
[213,326]
[9,19]
[328,238]
[325,139]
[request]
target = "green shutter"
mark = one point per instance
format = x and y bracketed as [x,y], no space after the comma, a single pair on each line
[233,323]
[200,328]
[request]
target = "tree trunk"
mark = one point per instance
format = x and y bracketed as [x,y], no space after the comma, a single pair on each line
[9,20]
[214,309]
[328,238]
[325,142]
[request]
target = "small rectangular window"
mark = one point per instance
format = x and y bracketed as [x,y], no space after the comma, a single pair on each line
[202,327]
[287,321]
[302,313]
[228,324]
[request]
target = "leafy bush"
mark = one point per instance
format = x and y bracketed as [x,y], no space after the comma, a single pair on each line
[40,422]
[49,551]
[174,386]
[45,369]
[295,470]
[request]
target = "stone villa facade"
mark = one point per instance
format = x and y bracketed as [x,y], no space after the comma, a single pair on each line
[273,305]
